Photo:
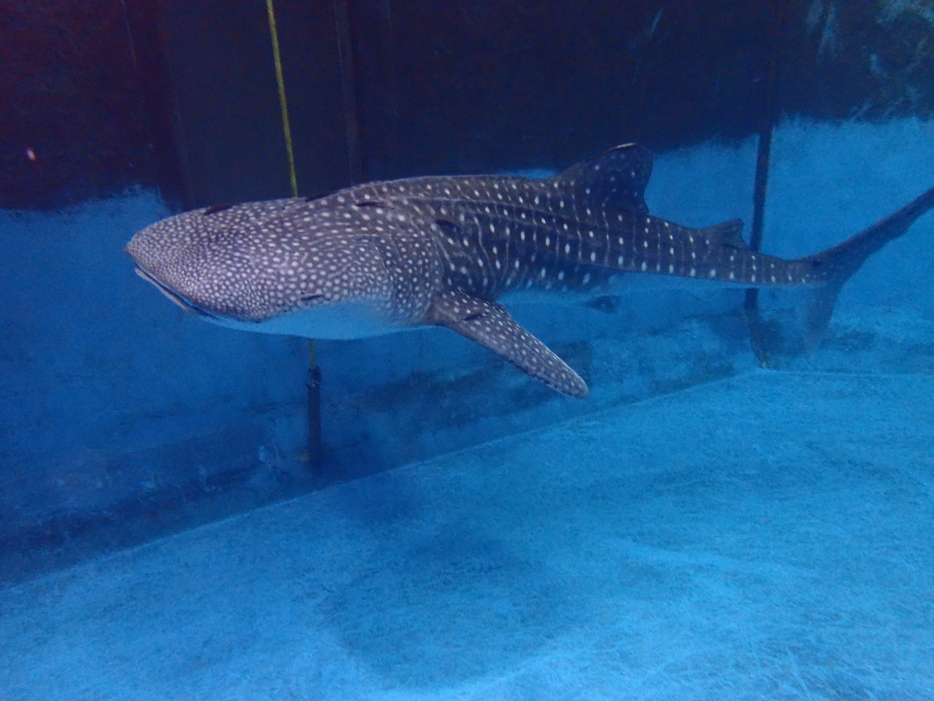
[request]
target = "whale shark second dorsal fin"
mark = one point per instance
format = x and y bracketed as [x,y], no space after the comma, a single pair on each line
[728,233]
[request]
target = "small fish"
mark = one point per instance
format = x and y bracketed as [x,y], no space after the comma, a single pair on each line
[440,251]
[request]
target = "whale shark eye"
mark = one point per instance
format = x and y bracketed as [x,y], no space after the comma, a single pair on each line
[369,204]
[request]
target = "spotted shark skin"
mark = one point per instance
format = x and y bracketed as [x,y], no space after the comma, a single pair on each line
[439,251]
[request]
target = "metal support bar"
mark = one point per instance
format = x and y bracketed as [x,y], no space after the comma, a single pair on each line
[314,374]
[757,331]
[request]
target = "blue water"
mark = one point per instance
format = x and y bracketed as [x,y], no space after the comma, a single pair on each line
[766,534]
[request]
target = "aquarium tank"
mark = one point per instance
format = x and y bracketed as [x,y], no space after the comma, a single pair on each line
[473,349]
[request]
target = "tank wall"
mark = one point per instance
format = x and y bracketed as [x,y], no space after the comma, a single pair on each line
[124,417]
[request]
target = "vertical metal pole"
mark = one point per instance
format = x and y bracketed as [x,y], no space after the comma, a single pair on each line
[314,374]
[348,91]
[757,333]
[315,448]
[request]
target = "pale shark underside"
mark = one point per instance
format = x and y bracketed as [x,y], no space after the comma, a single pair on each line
[439,251]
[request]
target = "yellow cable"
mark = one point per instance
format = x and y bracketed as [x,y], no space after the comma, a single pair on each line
[282,101]
[285,128]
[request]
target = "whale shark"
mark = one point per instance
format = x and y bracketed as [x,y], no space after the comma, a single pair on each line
[451,251]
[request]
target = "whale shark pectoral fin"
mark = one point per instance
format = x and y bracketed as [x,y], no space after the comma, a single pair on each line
[490,325]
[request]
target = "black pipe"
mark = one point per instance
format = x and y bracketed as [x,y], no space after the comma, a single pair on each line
[345,55]
[757,332]
[315,448]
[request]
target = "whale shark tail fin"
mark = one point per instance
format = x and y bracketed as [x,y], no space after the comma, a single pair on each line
[837,264]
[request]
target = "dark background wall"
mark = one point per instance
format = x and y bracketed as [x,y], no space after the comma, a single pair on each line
[107,95]
[72,121]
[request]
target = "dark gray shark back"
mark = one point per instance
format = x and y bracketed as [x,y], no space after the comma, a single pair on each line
[441,251]
[572,231]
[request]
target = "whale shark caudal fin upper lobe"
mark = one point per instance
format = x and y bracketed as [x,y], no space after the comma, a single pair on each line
[837,264]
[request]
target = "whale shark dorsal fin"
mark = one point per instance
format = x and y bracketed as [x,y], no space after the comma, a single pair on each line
[615,180]
[728,233]
[490,325]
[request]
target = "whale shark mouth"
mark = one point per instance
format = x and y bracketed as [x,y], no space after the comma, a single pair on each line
[178,299]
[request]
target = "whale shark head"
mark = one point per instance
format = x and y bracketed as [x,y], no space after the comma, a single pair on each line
[282,266]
